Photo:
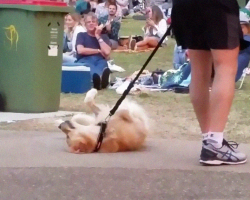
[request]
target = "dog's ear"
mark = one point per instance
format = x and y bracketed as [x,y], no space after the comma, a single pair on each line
[66,127]
[58,123]
[124,115]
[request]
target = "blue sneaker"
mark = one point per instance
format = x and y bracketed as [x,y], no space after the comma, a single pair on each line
[227,154]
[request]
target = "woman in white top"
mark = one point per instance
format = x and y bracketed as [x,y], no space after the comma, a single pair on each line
[74,25]
[155,28]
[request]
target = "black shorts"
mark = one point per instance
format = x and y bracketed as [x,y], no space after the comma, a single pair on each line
[206,24]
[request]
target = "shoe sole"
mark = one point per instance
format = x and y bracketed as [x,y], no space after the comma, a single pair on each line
[105,78]
[96,82]
[220,162]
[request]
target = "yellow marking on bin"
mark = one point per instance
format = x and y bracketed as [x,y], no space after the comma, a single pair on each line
[12,35]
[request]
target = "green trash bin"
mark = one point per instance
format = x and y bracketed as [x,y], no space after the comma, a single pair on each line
[31,38]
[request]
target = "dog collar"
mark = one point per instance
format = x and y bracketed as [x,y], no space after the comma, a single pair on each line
[101,135]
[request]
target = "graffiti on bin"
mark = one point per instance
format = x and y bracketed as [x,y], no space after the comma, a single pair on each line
[12,36]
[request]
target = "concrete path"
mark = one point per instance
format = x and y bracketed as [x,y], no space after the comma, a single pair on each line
[36,165]
[12,117]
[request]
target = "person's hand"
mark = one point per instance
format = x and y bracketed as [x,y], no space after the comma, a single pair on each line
[150,22]
[187,54]
[98,31]
[108,25]
[102,54]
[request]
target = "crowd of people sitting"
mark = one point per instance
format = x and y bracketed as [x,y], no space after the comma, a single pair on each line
[92,32]
[181,55]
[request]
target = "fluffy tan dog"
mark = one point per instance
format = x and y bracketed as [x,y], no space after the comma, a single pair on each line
[126,129]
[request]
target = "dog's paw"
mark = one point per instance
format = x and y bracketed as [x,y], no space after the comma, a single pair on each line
[90,96]
[58,122]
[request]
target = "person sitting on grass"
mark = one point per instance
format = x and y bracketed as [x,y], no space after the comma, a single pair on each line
[102,9]
[124,6]
[155,28]
[74,25]
[244,55]
[112,25]
[93,48]
[180,56]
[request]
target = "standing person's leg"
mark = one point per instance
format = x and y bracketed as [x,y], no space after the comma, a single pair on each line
[201,69]
[222,94]
[216,150]
[223,38]
[216,29]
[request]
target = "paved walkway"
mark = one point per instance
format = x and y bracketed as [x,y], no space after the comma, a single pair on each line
[11,117]
[36,165]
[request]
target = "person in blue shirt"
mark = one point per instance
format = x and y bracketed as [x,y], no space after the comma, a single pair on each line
[93,49]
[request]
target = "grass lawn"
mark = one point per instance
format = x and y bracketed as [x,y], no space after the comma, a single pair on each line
[172,114]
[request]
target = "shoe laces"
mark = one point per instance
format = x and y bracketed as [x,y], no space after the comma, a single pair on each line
[230,144]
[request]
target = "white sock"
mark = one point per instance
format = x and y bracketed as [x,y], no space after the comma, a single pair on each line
[217,137]
[204,136]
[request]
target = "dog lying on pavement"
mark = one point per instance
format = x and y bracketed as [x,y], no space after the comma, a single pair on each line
[126,130]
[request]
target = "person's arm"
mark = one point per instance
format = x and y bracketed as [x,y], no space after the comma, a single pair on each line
[87,51]
[122,2]
[79,29]
[108,27]
[119,12]
[105,48]
[80,46]
[115,28]
[161,28]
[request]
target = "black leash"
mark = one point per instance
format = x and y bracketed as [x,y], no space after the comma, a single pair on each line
[126,92]
[131,85]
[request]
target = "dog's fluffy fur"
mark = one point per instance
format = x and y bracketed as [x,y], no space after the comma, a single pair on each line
[126,129]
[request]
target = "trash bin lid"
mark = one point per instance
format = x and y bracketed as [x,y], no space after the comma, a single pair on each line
[35,2]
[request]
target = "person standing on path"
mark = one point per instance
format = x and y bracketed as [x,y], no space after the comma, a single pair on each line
[211,32]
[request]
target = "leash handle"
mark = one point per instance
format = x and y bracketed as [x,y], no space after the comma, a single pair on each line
[131,85]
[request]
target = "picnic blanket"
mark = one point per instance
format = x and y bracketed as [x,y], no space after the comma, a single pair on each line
[132,51]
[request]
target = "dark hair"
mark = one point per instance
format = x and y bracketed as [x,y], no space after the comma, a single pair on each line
[108,2]
[113,4]
[157,14]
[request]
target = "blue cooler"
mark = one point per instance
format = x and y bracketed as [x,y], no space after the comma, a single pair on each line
[75,79]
